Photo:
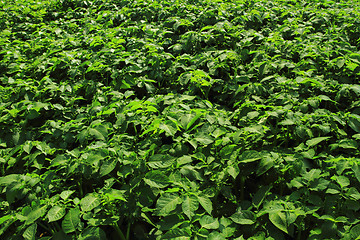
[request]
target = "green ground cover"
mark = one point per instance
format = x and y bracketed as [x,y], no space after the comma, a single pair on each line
[184,119]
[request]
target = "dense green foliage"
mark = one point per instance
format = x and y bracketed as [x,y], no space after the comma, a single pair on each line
[191,119]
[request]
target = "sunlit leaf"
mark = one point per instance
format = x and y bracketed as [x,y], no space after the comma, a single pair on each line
[243,217]
[56,213]
[354,122]
[107,166]
[167,203]
[156,179]
[204,139]
[89,202]
[169,127]
[250,156]
[279,219]
[35,214]
[115,194]
[99,132]
[93,233]
[315,141]
[205,202]
[30,232]
[189,205]
[71,220]
[209,222]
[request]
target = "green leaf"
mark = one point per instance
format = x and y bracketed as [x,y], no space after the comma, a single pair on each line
[93,233]
[341,180]
[253,114]
[115,194]
[66,194]
[59,160]
[189,205]
[260,195]
[287,122]
[279,219]
[121,118]
[71,220]
[183,160]
[265,164]
[355,57]
[167,203]
[205,202]
[233,171]
[5,218]
[227,151]
[226,227]
[107,166]
[94,159]
[193,120]
[193,143]
[328,218]
[218,132]
[209,222]
[6,225]
[215,235]
[354,122]
[340,62]
[204,139]
[240,238]
[283,219]
[156,179]
[250,156]
[356,171]
[81,136]
[353,193]
[243,217]
[191,172]
[161,161]
[177,234]
[296,183]
[315,141]
[11,178]
[355,88]
[33,114]
[356,136]
[332,190]
[355,231]
[309,154]
[341,219]
[30,232]
[56,213]
[99,132]
[263,69]
[35,214]
[89,202]
[312,175]
[170,222]
[169,127]
[348,144]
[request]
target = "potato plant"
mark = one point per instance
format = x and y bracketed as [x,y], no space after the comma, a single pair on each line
[168,119]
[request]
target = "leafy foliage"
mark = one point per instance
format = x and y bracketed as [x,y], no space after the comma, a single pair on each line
[179,119]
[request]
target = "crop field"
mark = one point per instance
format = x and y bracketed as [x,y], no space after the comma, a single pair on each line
[179,119]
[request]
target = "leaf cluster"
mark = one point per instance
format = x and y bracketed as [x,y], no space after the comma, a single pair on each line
[179,119]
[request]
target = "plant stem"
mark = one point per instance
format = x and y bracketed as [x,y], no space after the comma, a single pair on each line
[58,227]
[128,231]
[242,186]
[119,232]
[299,235]
[80,187]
